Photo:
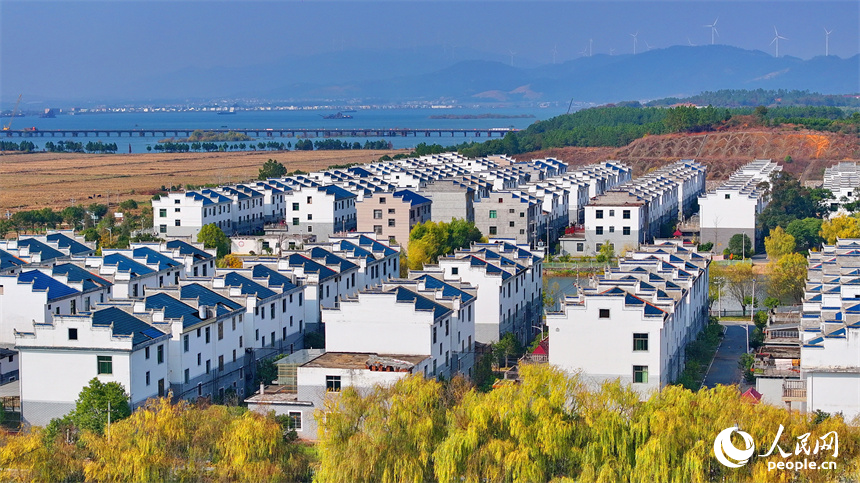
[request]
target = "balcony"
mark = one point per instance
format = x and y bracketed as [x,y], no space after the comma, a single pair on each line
[793,391]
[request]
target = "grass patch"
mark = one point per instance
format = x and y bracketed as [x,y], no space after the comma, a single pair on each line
[700,352]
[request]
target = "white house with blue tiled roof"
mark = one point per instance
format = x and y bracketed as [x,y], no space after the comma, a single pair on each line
[38,295]
[634,322]
[59,357]
[320,210]
[132,271]
[10,264]
[182,215]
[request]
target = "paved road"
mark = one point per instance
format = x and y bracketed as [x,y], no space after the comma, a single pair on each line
[725,369]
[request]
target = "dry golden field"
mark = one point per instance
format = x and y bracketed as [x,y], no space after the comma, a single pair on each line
[29,181]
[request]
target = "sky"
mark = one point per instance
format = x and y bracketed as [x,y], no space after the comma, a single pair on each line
[60,48]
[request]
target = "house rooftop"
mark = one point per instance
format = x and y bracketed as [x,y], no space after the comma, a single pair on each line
[362,360]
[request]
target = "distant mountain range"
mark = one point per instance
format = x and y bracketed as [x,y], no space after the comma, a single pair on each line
[433,74]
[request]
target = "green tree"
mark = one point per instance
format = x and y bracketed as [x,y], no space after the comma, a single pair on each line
[430,240]
[787,277]
[606,253]
[128,205]
[806,233]
[842,226]
[91,409]
[789,200]
[212,237]
[272,169]
[740,245]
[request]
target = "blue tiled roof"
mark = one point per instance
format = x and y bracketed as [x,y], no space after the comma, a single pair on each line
[375,246]
[36,246]
[40,281]
[7,260]
[356,250]
[219,198]
[153,257]
[276,279]
[126,324]
[189,249]
[411,197]
[173,309]
[75,273]
[66,242]
[421,303]
[247,285]
[490,268]
[125,264]
[311,266]
[448,290]
[332,259]
[338,192]
[207,297]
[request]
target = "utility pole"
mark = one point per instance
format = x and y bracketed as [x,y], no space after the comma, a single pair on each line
[752,313]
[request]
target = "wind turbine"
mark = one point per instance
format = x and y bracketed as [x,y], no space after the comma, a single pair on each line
[647,45]
[776,39]
[584,52]
[690,43]
[827,42]
[590,43]
[611,51]
[634,41]
[554,51]
[513,53]
[713,28]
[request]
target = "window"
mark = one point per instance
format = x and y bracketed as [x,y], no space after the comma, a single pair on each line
[625,230]
[604,313]
[295,221]
[187,376]
[580,247]
[522,214]
[295,207]
[220,363]
[391,222]
[147,378]
[332,383]
[208,365]
[177,222]
[640,342]
[625,214]
[492,213]
[161,388]
[382,200]
[501,200]
[310,216]
[310,200]
[73,334]
[392,211]
[273,338]
[493,230]
[640,374]
[728,196]
[377,214]
[598,230]
[511,224]
[295,420]
[105,364]
[159,354]
[598,214]
[455,270]
[185,343]
[511,210]
[611,229]
[162,228]
[199,360]
[434,335]
[611,212]
[177,210]
[220,330]
[208,334]
[176,202]
[377,229]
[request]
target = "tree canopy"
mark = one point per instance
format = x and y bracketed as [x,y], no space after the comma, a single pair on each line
[779,243]
[272,169]
[91,408]
[430,240]
[740,246]
[842,226]
[789,201]
[787,277]
[212,237]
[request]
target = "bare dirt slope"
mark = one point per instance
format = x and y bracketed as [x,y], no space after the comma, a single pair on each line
[29,181]
[723,152]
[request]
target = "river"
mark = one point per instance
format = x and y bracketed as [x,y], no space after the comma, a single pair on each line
[286,119]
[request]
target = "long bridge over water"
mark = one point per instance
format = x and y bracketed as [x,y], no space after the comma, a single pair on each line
[279,132]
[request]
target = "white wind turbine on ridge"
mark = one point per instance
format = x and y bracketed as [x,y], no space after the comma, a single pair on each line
[827,42]
[635,36]
[713,28]
[776,39]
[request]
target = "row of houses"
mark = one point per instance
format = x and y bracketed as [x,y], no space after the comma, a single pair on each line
[809,360]
[634,321]
[529,202]
[639,211]
[160,318]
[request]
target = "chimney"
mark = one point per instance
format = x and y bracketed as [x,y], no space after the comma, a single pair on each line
[262,388]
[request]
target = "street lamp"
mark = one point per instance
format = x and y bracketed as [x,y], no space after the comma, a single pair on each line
[541,329]
[752,312]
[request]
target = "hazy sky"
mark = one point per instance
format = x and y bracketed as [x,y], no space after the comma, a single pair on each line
[51,46]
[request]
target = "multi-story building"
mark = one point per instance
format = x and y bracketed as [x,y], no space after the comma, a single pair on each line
[634,322]
[509,215]
[734,206]
[392,215]
[451,199]
[183,215]
[843,180]
[320,210]
[59,357]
